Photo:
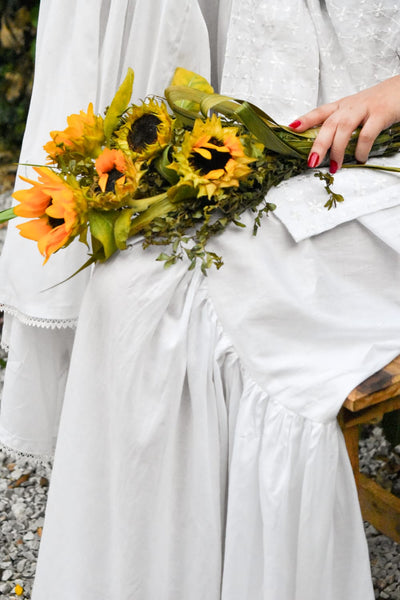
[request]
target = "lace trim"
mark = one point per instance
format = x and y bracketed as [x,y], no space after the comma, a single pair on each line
[37,321]
[34,460]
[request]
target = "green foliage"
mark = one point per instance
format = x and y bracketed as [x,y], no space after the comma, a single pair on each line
[119,104]
[17,50]
[333,197]
[190,225]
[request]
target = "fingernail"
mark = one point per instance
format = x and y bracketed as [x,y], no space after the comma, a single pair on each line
[333,167]
[295,124]
[313,160]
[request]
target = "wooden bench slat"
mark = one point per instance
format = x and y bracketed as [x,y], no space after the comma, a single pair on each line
[381,386]
[379,507]
[367,403]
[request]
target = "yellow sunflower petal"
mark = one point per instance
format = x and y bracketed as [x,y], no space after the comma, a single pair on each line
[204,153]
[103,182]
[216,174]
[146,131]
[53,241]
[35,230]
[33,202]
[110,159]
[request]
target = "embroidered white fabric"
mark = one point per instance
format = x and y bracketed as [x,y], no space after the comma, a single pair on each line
[337,48]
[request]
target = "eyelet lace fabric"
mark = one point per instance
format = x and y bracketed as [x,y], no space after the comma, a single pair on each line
[31,321]
[338,48]
[36,321]
[33,460]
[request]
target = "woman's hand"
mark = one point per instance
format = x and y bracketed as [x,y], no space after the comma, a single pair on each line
[374,109]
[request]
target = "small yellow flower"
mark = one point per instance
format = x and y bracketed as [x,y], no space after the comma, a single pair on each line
[146,130]
[59,208]
[19,590]
[212,157]
[82,138]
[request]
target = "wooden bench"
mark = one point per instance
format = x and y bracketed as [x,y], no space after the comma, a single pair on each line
[367,403]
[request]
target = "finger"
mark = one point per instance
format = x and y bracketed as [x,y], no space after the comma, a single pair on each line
[314,117]
[369,132]
[334,135]
[322,143]
[340,140]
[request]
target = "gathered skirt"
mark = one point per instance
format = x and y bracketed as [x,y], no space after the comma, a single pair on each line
[198,454]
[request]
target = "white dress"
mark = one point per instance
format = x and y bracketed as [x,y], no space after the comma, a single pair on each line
[198,454]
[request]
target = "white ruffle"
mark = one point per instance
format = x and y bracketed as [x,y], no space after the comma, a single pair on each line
[34,384]
[38,321]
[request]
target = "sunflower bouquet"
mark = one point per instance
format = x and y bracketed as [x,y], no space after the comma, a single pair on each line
[176,171]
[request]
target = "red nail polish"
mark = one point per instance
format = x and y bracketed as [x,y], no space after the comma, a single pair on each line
[313,160]
[295,124]
[333,167]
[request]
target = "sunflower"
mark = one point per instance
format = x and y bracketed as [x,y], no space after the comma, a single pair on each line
[146,130]
[117,180]
[82,138]
[212,157]
[59,209]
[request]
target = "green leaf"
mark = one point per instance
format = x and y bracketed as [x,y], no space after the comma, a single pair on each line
[101,226]
[83,237]
[95,257]
[175,96]
[163,256]
[162,163]
[180,193]
[159,209]
[256,121]
[7,215]
[122,226]
[119,104]
[190,79]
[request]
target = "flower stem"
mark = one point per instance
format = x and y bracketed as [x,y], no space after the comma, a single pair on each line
[144,203]
[366,166]
[7,215]
[160,209]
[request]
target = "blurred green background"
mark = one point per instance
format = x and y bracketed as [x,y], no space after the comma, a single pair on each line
[17,53]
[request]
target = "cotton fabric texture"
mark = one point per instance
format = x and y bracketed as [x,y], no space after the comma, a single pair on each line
[198,453]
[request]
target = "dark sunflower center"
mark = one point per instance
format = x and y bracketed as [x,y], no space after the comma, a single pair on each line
[143,132]
[55,222]
[217,161]
[113,176]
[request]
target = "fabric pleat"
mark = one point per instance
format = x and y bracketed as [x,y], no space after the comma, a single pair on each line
[176,475]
